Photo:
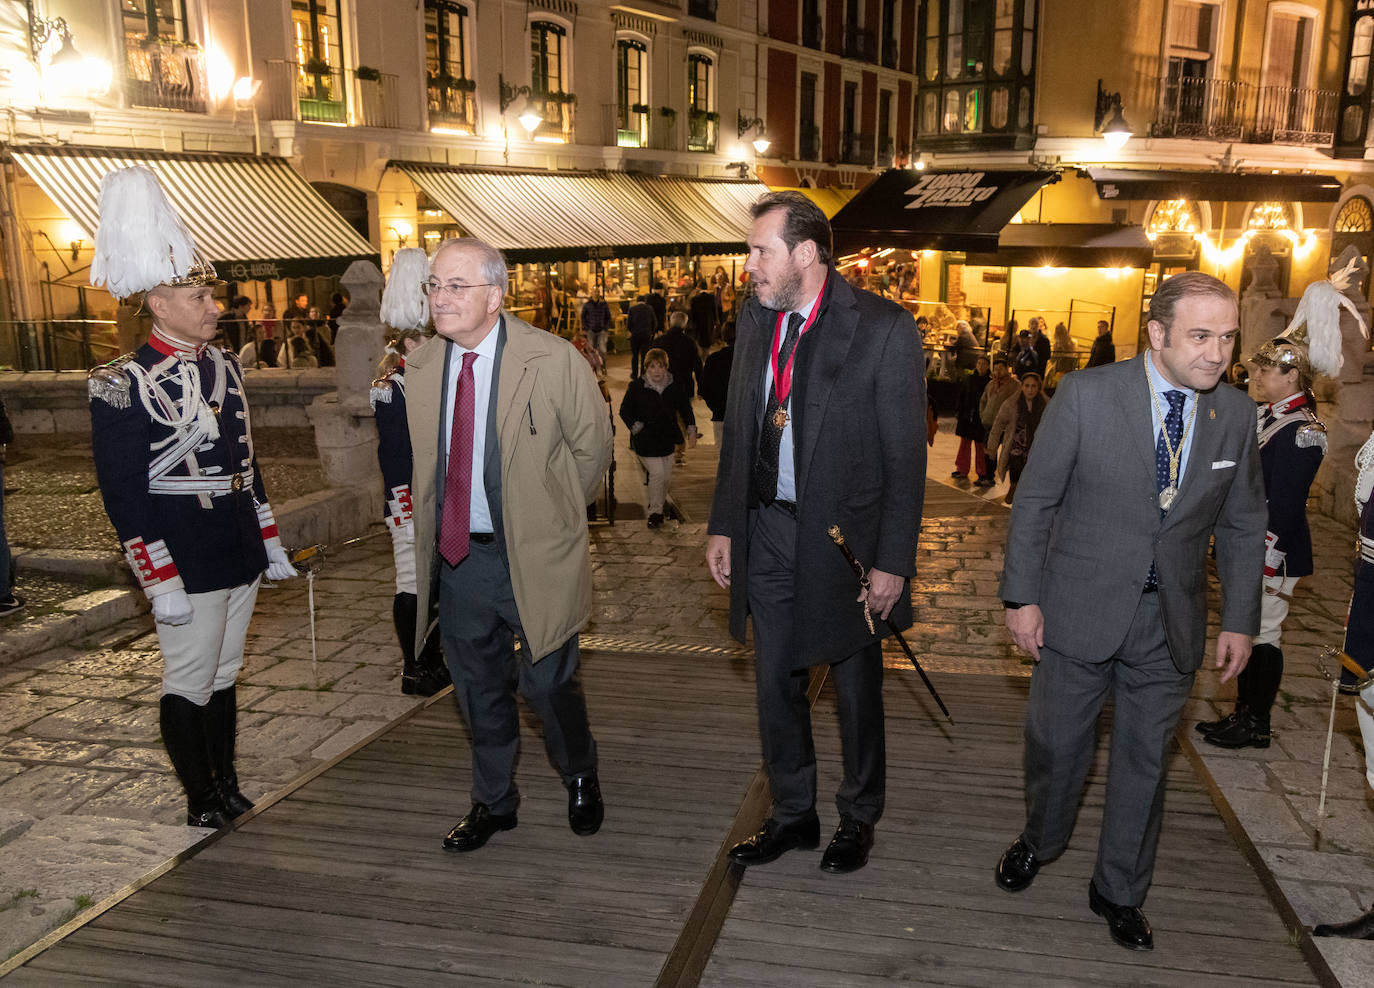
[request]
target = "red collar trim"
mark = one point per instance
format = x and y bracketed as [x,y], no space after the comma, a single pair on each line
[1289,404]
[169,347]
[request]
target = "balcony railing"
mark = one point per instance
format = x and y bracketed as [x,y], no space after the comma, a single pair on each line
[379,102]
[164,74]
[886,149]
[809,142]
[665,132]
[1236,111]
[298,94]
[701,132]
[811,34]
[556,122]
[705,9]
[858,43]
[1295,116]
[451,105]
[890,53]
[623,127]
[856,149]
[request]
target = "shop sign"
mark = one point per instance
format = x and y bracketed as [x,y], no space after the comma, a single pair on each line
[600,253]
[956,189]
[254,270]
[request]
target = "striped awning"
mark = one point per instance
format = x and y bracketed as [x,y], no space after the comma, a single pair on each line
[255,218]
[550,216]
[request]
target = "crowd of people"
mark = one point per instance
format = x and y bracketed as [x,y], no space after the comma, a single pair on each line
[302,337]
[490,541]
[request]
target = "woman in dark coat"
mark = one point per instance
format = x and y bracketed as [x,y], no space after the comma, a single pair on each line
[655,407]
[1015,428]
[968,425]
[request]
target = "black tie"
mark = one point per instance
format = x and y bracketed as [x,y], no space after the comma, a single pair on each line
[770,438]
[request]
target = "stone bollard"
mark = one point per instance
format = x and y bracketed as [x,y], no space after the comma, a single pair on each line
[345,433]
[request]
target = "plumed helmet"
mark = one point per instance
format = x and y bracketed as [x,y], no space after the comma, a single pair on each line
[404,305]
[1312,342]
[141,241]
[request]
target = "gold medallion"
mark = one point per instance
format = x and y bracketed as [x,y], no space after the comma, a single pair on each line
[1166,497]
[780,417]
[236,484]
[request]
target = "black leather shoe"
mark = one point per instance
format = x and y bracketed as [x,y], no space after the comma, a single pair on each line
[425,682]
[848,849]
[585,809]
[1246,731]
[1018,867]
[775,839]
[214,819]
[1205,727]
[1361,928]
[1127,924]
[476,828]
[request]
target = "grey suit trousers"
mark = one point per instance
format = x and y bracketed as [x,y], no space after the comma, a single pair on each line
[478,624]
[1066,697]
[789,754]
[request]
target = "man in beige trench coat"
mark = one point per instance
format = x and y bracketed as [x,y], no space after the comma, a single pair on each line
[510,438]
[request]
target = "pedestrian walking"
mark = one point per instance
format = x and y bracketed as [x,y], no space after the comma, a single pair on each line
[715,382]
[1151,452]
[1001,386]
[513,422]
[406,310]
[968,423]
[1104,350]
[173,446]
[596,321]
[642,325]
[656,409]
[1013,431]
[823,430]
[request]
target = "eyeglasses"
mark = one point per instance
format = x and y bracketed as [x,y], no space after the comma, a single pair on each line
[435,290]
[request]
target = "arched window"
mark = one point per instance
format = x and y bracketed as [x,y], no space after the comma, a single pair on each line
[631,92]
[1354,226]
[701,101]
[547,45]
[449,75]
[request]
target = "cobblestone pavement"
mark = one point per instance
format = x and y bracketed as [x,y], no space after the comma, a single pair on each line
[88,803]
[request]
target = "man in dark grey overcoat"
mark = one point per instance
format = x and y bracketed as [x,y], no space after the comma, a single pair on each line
[824,425]
[1137,466]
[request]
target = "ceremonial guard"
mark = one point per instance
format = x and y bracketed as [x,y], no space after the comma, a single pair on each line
[1357,664]
[174,459]
[406,309]
[1292,442]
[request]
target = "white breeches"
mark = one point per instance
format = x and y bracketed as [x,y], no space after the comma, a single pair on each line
[1278,590]
[403,552]
[1364,713]
[204,656]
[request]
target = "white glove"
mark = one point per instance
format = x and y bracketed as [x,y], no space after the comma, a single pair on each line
[278,566]
[173,608]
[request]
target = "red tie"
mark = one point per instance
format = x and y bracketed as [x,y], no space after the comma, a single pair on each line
[453,527]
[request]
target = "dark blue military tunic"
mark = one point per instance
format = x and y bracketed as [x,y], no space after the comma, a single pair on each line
[1292,443]
[394,454]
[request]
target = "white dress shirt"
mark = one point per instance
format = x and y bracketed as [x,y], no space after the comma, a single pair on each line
[480,510]
[787,481]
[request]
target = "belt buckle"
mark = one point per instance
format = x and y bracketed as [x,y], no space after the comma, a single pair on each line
[236,484]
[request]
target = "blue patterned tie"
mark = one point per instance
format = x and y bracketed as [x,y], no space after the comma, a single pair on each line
[1173,424]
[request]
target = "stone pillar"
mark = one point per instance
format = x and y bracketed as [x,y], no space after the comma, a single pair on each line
[345,433]
[1264,312]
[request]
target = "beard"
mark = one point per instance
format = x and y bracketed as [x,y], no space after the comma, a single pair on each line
[784,293]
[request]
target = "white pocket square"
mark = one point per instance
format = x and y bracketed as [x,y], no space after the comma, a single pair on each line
[1222,464]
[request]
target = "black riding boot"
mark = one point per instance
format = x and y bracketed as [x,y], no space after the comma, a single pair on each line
[1206,727]
[183,734]
[427,674]
[221,731]
[1256,687]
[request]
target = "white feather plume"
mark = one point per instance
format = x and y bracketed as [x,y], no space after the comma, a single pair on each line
[404,305]
[1319,310]
[141,241]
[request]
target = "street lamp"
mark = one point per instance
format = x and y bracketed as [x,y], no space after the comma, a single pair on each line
[1117,131]
[745,124]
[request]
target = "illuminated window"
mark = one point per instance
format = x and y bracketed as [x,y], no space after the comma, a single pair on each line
[1271,216]
[1175,216]
[971,43]
[629,92]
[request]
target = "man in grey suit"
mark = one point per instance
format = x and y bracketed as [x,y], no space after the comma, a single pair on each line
[824,425]
[510,439]
[1153,452]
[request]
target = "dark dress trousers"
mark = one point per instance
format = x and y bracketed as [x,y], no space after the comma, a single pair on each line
[858,407]
[1092,470]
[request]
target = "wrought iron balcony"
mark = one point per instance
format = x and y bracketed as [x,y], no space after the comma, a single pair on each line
[298,92]
[890,53]
[556,113]
[886,149]
[165,74]
[858,43]
[624,126]
[1218,109]
[379,100]
[701,131]
[856,149]
[809,142]
[811,34]
[451,103]
[664,132]
[705,9]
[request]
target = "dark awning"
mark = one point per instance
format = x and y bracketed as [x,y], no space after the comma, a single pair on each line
[1123,183]
[551,216]
[255,218]
[1070,245]
[926,210]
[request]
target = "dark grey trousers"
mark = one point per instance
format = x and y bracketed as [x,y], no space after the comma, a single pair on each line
[789,753]
[1066,697]
[478,624]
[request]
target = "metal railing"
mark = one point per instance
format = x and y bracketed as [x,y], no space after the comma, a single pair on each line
[452,105]
[705,9]
[556,118]
[886,150]
[809,142]
[664,132]
[622,127]
[701,132]
[57,344]
[858,43]
[890,53]
[856,149]
[379,103]
[1238,111]
[1284,115]
[165,74]
[297,94]
[811,34]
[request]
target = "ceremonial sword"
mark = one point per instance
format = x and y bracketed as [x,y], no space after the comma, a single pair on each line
[837,537]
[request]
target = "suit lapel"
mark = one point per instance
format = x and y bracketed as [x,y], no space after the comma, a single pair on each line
[524,345]
[1135,396]
[821,356]
[752,356]
[1202,450]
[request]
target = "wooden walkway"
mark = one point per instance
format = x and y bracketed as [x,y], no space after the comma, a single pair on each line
[344,881]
